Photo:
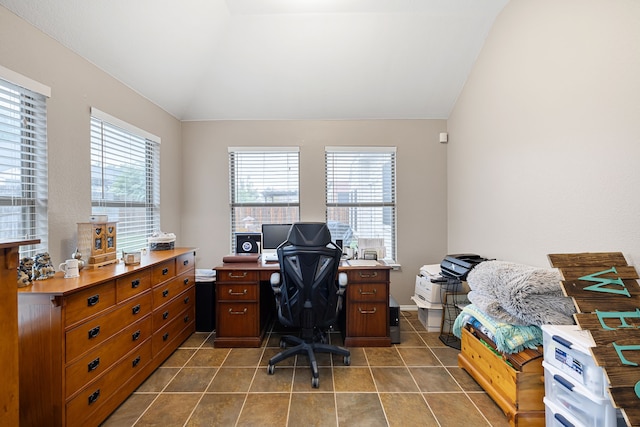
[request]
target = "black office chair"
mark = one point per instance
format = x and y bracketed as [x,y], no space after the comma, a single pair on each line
[308,293]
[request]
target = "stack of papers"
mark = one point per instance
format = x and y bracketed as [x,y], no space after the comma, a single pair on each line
[205,275]
[431,271]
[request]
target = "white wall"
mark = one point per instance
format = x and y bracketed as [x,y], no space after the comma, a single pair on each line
[76,85]
[421,188]
[544,151]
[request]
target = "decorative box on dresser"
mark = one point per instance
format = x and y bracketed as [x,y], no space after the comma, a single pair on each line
[87,343]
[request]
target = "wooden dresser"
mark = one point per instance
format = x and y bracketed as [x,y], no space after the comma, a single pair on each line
[87,343]
[9,391]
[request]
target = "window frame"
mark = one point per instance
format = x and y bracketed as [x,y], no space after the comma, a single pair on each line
[378,195]
[23,112]
[262,159]
[110,135]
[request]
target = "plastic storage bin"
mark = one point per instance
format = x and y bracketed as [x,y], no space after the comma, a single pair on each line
[577,400]
[555,416]
[566,348]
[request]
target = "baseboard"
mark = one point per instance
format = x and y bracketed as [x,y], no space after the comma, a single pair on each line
[409,307]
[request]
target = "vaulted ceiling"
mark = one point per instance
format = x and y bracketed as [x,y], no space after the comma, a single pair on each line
[278,59]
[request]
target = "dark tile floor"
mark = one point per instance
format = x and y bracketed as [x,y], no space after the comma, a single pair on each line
[414,383]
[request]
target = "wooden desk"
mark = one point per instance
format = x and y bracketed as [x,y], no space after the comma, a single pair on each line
[245,303]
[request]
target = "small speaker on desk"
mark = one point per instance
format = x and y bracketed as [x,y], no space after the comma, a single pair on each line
[248,243]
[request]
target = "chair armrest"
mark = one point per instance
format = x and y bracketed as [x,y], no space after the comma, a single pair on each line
[275,282]
[342,282]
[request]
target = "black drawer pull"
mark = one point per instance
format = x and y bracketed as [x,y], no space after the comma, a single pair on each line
[165,315]
[368,275]
[135,335]
[135,362]
[165,336]
[186,319]
[135,309]
[165,293]
[375,291]
[238,312]
[165,271]
[93,364]
[94,396]
[94,332]
[186,281]
[237,293]
[135,283]
[91,301]
[367,311]
[186,300]
[185,262]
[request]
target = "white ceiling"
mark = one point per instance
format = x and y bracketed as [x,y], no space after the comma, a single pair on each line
[278,59]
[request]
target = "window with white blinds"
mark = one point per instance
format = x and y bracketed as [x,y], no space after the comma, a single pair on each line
[264,188]
[361,195]
[125,179]
[23,167]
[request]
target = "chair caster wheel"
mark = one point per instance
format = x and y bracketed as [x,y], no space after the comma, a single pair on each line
[315,382]
[347,360]
[271,369]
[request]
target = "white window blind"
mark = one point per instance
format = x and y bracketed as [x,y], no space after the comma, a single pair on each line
[264,188]
[361,195]
[125,180]
[23,166]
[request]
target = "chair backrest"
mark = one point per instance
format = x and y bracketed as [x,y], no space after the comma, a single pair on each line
[309,264]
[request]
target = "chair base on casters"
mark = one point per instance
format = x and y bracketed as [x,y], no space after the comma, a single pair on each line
[308,348]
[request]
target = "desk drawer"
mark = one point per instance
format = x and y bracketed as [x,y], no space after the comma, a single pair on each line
[237,319]
[367,292]
[89,400]
[89,301]
[185,262]
[168,312]
[367,319]
[163,272]
[237,292]
[236,276]
[167,291]
[95,331]
[133,284]
[164,336]
[103,357]
[368,275]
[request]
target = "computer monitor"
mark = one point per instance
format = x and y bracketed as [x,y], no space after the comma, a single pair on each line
[273,235]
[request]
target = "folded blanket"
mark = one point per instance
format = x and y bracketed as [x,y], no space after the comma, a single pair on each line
[507,338]
[520,294]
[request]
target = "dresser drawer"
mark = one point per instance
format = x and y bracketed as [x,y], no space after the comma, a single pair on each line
[94,395]
[133,284]
[165,292]
[89,301]
[100,359]
[95,331]
[367,276]
[237,292]
[163,272]
[164,336]
[367,319]
[237,319]
[236,276]
[367,292]
[185,262]
[168,312]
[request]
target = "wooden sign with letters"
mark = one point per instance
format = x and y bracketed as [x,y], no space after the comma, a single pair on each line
[606,293]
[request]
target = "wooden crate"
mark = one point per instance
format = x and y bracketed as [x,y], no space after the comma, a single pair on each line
[515,382]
